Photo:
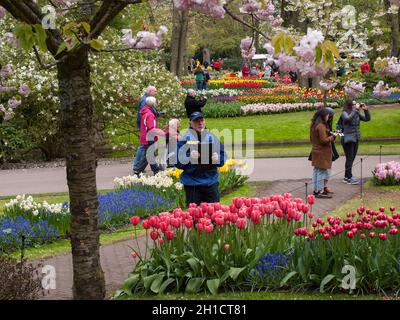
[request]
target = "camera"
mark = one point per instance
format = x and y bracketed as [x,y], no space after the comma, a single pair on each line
[161,114]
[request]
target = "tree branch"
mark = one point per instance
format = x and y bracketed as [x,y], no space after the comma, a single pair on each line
[29,12]
[108,11]
[235,17]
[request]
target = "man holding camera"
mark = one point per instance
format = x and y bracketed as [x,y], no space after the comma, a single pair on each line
[193,105]
[199,156]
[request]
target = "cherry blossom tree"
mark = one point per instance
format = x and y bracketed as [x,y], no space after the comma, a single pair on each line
[70,44]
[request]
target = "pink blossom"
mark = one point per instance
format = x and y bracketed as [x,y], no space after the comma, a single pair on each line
[2,13]
[13,103]
[381,90]
[24,90]
[6,71]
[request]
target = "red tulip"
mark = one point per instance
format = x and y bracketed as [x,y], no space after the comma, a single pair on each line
[226,246]
[209,228]
[392,209]
[393,231]
[199,226]
[188,223]
[296,232]
[241,223]
[145,224]
[350,234]
[135,220]
[161,241]
[170,234]
[133,254]
[311,199]
[278,213]
[383,236]
[305,208]
[154,234]
[362,236]
[314,224]
[326,236]
[220,220]
[382,209]
[311,234]
[372,234]
[311,215]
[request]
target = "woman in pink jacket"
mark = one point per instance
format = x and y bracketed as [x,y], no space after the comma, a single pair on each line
[148,136]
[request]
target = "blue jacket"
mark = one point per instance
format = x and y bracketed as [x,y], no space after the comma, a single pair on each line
[192,174]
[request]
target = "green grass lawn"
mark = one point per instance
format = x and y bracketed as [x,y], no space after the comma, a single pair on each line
[256,296]
[289,127]
[374,198]
[295,126]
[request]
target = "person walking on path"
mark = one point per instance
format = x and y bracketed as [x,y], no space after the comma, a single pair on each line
[151,91]
[321,152]
[192,104]
[199,76]
[200,179]
[349,122]
[148,124]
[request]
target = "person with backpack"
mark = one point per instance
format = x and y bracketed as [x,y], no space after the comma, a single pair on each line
[199,76]
[349,123]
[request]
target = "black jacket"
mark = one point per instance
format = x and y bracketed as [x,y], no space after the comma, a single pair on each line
[193,105]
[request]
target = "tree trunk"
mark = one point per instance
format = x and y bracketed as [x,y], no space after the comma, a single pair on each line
[393,20]
[180,20]
[206,55]
[77,126]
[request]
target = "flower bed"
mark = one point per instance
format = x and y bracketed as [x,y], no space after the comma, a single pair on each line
[166,183]
[281,108]
[43,223]
[270,242]
[387,174]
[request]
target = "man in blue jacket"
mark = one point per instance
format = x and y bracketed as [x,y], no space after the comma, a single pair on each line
[199,156]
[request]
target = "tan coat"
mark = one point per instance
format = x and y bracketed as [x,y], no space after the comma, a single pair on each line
[321,146]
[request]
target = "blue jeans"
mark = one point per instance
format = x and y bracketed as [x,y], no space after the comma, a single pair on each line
[140,162]
[199,85]
[319,175]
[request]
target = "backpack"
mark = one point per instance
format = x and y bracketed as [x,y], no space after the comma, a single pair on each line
[339,124]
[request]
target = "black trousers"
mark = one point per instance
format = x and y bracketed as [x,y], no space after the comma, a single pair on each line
[350,150]
[199,194]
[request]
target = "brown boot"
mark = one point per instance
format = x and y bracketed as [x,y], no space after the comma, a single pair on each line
[326,190]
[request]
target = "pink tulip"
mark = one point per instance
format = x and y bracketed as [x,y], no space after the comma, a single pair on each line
[241,223]
[311,199]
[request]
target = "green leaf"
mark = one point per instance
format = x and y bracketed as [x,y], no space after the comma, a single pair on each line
[288,44]
[318,54]
[86,26]
[147,281]
[156,284]
[194,285]
[136,26]
[194,264]
[24,33]
[213,285]
[130,284]
[69,26]
[61,48]
[97,44]
[41,37]
[325,281]
[165,284]
[287,278]
[235,272]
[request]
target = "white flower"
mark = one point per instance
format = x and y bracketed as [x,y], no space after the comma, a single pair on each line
[35,213]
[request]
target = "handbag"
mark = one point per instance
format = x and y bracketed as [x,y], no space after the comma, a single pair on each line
[335,154]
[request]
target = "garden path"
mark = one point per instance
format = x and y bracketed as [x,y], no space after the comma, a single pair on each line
[116,258]
[53,180]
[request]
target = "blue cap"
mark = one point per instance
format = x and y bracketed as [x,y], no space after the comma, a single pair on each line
[196,115]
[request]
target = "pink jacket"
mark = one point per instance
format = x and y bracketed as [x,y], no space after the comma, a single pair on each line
[148,123]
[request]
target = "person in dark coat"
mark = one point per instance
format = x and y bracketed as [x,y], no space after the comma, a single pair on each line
[193,105]
[350,122]
[321,152]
